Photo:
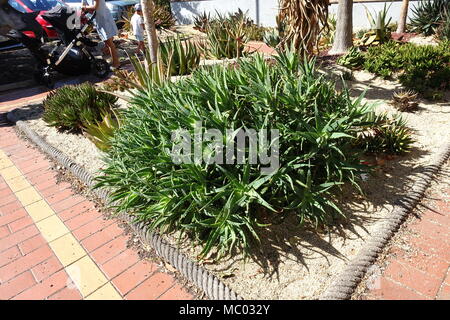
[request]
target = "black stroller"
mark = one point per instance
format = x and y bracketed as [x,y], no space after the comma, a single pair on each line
[72,53]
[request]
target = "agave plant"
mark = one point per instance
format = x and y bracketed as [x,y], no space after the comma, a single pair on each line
[179,57]
[379,25]
[405,100]
[428,15]
[163,18]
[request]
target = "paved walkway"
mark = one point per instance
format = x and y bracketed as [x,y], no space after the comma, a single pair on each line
[54,244]
[418,262]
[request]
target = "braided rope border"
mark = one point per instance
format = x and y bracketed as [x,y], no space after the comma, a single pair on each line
[347,280]
[202,278]
[342,286]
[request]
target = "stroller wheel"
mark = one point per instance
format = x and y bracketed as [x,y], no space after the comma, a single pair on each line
[100,68]
[45,78]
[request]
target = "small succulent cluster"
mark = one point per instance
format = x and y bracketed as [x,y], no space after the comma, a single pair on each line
[405,100]
[385,135]
[83,109]
[354,58]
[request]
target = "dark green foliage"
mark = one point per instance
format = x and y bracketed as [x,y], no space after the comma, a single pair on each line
[71,107]
[354,58]
[428,15]
[385,135]
[443,31]
[179,57]
[422,68]
[223,206]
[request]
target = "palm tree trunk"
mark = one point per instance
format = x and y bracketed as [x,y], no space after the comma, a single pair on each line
[148,8]
[343,39]
[403,14]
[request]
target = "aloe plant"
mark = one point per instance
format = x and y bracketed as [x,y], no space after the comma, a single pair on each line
[427,15]
[179,57]
[101,132]
[228,206]
[379,25]
[227,36]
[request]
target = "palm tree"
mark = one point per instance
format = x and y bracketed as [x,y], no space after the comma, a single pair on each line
[303,21]
[403,15]
[343,39]
[148,9]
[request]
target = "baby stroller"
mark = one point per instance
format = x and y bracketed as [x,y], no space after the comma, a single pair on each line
[72,53]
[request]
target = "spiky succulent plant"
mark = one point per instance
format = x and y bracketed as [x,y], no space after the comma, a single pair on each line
[405,100]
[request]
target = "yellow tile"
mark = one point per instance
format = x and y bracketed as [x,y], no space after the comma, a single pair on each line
[28,196]
[5,163]
[107,292]
[39,210]
[3,155]
[52,228]
[10,173]
[86,275]
[18,183]
[67,249]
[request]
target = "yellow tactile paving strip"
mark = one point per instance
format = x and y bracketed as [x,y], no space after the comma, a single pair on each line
[83,271]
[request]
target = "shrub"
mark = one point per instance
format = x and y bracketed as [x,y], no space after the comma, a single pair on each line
[422,68]
[71,107]
[427,15]
[225,206]
[179,57]
[352,59]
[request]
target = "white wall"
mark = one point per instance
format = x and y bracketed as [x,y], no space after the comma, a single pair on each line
[264,11]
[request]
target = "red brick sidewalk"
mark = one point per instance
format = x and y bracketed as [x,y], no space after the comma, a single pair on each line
[54,244]
[418,262]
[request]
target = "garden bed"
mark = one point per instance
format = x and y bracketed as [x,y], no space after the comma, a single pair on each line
[298,263]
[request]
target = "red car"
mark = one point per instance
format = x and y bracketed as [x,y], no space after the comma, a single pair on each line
[37,6]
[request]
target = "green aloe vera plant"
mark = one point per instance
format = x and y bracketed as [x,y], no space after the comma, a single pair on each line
[101,132]
[227,36]
[179,57]
[228,206]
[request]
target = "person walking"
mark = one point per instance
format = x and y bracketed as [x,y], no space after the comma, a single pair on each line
[137,23]
[105,26]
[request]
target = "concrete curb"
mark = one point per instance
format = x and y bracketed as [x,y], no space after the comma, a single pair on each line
[202,278]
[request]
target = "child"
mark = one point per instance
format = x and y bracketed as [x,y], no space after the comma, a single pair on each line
[137,23]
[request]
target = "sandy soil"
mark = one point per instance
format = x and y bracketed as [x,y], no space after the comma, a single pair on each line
[75,146]
[295,263]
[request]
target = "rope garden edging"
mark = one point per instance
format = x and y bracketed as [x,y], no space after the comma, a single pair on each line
[342,286]
[348,279]
[202,278]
